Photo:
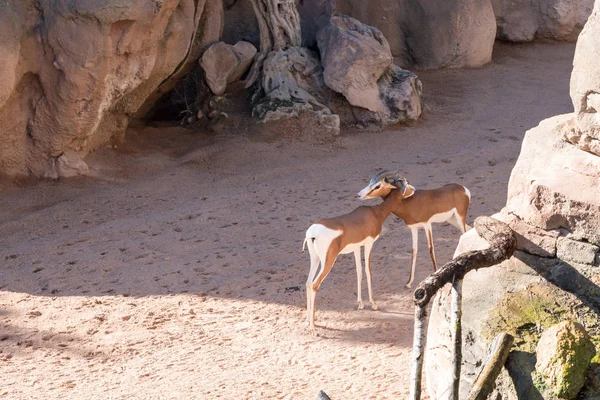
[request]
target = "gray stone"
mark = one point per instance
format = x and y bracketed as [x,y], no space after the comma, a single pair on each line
[518,20]
[468,29]
[563,355]
[529,238]
[576,251]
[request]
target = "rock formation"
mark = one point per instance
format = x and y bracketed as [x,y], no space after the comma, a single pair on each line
[73,73]
[554,207]
[431,33]
[223,63]
[357,63]
[525,20]
[563,355]
[585,87]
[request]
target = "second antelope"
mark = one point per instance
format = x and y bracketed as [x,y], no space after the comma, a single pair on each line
[328,238]
[448,203]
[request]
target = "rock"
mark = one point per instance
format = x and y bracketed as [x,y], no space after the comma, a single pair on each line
[357,63]
[70,164]
[67,165]
[354,57]
[563,19]
[73,73]
[558,194]
[585,87]
[468,29]
[576,251]
[563,354]
[385,15]
[529,238]
[518,20]
[400,93]
[223,63]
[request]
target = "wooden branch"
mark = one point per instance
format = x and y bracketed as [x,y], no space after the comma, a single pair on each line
[502,246]
[418,353]
[484,383]
[455,323]
[261,12]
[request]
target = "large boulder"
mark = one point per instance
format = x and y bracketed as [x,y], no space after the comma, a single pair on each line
[431,33]
[440,33]
[563,354]
[72,73]
[385,15]
[223,63]
[585,87]
[555,184]
[524,20]
[357,62]
[354,57]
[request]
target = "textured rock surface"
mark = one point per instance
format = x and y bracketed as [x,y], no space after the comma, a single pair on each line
[524,20]
[563,354]
[357,63]
[385,15]
[431,33]
[554,184]
[585,86]
[292,84]
[453,34]
[354,57]
[520,296]
[223,63]
[72,73]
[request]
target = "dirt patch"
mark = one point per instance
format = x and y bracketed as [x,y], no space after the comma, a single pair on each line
[173,271]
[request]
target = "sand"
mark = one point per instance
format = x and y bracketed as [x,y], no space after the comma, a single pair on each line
[174,271]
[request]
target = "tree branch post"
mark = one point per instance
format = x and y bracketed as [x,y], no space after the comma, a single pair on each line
[418,353]
[456,314]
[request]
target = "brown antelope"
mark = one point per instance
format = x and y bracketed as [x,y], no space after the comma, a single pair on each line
[328,238]
[448,203]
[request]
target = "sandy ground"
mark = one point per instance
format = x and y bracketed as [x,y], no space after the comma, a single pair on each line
[175,271]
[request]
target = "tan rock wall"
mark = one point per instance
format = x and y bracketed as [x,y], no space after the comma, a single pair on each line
[73,73]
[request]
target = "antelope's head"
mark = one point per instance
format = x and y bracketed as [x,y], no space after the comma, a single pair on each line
[382,183]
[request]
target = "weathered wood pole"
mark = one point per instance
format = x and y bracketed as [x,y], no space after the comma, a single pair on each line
[455,323]
[484,383]
[418,353]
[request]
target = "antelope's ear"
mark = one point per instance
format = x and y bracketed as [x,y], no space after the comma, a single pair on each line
[400,184]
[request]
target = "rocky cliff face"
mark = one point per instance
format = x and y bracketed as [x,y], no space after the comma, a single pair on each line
[554,207]
[525,20]
[73,73]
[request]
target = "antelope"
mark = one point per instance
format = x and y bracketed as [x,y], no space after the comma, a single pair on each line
[348,233]
[448,203]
